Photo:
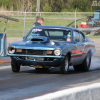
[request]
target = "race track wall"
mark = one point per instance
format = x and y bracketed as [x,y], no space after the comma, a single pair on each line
[89,92]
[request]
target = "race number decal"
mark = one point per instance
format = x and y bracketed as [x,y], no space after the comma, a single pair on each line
[36,30]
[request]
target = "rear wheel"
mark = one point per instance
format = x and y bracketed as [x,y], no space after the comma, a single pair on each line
[15,66]
[85,65]
[65,66]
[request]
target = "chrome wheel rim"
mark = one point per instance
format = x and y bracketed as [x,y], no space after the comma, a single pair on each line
[66,64]
[88,60]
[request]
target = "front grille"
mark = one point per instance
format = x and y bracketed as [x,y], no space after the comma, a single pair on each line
[32,52]
[31,58]
[35,58]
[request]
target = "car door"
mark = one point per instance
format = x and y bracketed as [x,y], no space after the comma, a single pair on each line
[77,55]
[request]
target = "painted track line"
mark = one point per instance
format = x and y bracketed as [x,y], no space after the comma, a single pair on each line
[5,61]
[5,67]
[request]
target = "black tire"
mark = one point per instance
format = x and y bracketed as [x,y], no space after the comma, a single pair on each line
[87,62]
[85,65]
[15,67]
[77,67]
[64,66]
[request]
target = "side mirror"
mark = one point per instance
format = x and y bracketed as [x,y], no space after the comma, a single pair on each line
[77,40]
[23,37]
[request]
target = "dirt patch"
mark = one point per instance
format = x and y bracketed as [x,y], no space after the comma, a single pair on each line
[96,41]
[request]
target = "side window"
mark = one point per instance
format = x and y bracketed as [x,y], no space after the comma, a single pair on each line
[81,37]
[76,35]
[46,33]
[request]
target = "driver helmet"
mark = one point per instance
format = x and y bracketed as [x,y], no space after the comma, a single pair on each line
[69,35]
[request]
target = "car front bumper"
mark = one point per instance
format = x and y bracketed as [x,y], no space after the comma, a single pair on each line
[56,60]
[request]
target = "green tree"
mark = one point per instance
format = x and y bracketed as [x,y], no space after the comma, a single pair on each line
[6,3]
[55,5]
[46,8]
[50,5]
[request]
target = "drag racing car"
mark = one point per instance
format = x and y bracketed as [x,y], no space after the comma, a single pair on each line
[57,46]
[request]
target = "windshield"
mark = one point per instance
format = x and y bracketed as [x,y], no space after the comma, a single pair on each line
[53,34]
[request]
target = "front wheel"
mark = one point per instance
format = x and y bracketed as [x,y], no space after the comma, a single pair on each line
[65,66]
[15,66]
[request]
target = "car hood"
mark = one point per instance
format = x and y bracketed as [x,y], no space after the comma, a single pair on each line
[39,42]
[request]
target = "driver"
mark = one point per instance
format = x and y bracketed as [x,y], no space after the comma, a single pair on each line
[69,37]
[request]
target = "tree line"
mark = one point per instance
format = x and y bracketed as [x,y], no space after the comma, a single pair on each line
[50,5]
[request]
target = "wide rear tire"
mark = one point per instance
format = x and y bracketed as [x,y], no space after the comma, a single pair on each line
[85,65]
[15,66]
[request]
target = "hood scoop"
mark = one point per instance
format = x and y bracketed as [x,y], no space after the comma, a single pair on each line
[40,39]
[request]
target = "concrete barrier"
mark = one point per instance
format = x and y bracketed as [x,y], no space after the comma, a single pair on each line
[2,45]
[89,92]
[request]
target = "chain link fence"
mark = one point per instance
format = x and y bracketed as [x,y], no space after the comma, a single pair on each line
[16,29]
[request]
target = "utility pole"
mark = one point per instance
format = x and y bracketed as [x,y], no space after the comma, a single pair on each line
[75,17]
[38,10]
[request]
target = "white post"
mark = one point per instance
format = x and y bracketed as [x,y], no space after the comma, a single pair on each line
[24,22]
[75,17]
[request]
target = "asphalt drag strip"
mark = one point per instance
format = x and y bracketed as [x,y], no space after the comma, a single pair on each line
[29,83]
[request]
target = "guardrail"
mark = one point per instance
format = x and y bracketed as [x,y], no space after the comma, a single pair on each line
[90,31]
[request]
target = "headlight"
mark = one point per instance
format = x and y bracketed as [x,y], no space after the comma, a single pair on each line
[57,52]
[11,50]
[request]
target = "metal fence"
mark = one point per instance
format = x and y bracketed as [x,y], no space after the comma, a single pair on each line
[16,29]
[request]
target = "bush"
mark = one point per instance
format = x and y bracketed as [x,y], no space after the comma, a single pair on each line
[46,8]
